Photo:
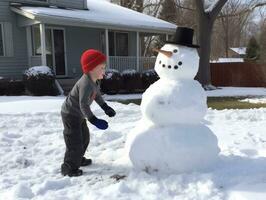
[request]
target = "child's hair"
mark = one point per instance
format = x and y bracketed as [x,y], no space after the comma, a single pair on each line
[90,59]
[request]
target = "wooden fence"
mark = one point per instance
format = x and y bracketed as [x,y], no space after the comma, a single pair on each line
[238,74]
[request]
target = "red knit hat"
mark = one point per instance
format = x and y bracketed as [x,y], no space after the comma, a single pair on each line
[90,59]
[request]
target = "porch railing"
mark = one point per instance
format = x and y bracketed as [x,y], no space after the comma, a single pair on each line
[122,63]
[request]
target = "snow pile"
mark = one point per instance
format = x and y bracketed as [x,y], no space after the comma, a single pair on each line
[260,100]
[39,70]
[110,72]
[236,92]
[129,72]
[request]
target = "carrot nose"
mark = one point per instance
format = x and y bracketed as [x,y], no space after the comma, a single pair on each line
[166,53]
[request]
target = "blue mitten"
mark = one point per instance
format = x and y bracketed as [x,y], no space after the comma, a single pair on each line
[99,123]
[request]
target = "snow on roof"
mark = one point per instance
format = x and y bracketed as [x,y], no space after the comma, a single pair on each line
[240,50]
[103,13]
[228,60]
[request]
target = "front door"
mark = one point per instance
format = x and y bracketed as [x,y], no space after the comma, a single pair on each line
[56,50]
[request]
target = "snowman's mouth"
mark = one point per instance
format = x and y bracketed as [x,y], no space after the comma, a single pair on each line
[170,66]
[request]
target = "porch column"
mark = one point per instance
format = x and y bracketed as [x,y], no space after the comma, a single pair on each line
[138,52]
[107,48]
[167,37]
[43,44]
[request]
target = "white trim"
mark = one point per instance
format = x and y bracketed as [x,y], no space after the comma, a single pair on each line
[43,44]
[3,41]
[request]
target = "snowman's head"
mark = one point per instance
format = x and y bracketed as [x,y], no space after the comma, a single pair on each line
[181,63]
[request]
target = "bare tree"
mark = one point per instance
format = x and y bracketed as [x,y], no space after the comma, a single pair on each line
[207,13]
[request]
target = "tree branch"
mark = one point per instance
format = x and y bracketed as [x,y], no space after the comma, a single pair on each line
[244,11]
[217,8]
[185,8]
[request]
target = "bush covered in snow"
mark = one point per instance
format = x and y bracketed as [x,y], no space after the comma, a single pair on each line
[149,77]
[39,81]
[131,80]
[112,82]
[11,87]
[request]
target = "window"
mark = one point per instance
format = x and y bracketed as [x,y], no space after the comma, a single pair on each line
[1,41]
[118,44]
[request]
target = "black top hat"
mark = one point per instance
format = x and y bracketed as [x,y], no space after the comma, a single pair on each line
[183,36]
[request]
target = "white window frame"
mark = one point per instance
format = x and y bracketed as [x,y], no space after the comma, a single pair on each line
[3,41]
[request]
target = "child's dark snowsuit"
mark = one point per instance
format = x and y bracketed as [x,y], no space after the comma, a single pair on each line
[74,112]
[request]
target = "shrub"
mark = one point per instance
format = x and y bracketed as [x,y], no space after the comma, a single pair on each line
[3,86]
[11,87]
[39,81]
[16,87]
[131,81]
[148,77]
[112,82]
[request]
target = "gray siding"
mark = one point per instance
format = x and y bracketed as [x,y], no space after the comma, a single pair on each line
[13,66]
[78,4]
[132,44]
[77,41]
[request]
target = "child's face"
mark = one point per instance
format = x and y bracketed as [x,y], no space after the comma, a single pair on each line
[98,72]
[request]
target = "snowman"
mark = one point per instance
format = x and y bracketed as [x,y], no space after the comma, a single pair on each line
[171,135]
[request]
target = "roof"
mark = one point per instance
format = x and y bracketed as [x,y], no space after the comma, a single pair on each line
[102,14]
[240,50]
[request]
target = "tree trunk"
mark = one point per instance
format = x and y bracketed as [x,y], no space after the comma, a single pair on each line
[205,31]
[206,21]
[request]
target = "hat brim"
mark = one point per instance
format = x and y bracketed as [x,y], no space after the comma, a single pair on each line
[184,44]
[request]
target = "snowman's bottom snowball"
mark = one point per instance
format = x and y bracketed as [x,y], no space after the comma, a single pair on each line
[177,148]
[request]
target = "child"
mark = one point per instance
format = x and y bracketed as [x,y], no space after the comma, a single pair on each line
[76,109]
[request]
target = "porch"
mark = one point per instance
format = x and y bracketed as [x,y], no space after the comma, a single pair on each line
[139,64]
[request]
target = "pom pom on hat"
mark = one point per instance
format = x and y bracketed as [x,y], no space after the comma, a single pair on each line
[90,59]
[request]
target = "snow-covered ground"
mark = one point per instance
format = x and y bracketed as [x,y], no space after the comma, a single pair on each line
[32,149]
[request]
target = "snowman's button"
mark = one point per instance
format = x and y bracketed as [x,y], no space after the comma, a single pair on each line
[163,65]
[169,66]
[180,63]
[175,51]
[176,67]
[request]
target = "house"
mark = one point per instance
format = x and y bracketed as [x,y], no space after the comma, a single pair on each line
[237,52]
[56,32]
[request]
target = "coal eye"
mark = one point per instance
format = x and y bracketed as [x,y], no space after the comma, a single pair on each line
[163,65]
[160,62]
[175,51]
